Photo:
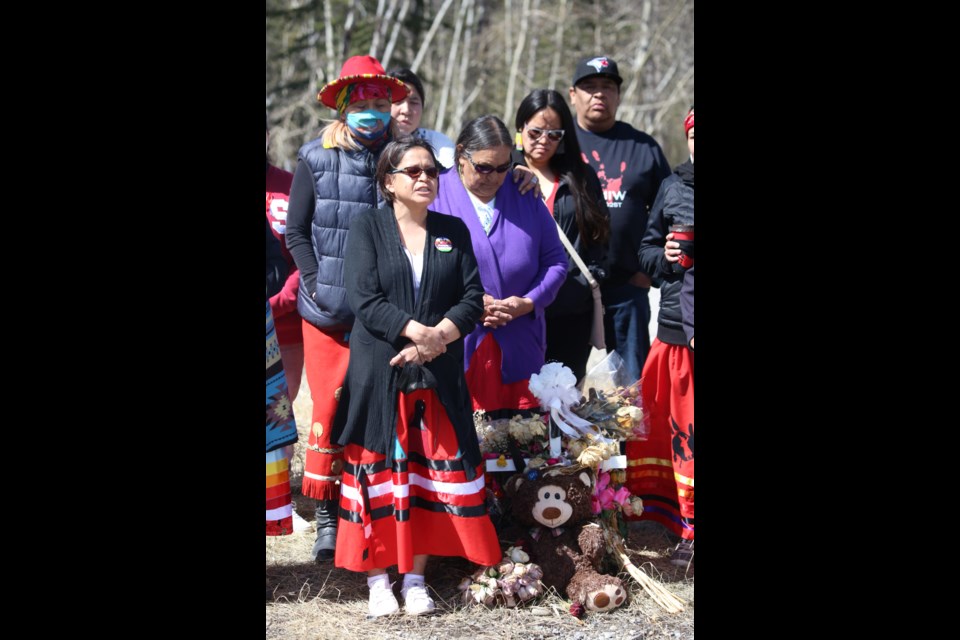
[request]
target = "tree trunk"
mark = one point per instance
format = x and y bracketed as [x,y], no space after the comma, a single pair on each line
[328,40]
[425,45]
[515,64]
[440,120]
[380,26]
[348,31]
[554,79]
[530,80]
[460,102]
[388,53]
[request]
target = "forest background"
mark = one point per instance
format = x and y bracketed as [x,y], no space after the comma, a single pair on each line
[479,57]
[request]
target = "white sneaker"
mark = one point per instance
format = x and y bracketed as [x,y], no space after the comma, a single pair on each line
[382,600]
[299,524]
[416,600]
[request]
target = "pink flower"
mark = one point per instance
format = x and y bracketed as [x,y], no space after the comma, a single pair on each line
[602,481]
[595,505]
[605,494]
[622,496]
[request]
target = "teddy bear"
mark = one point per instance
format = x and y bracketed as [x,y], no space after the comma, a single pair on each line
[564,540]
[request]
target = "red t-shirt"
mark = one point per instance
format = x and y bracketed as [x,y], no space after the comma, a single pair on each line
[553,196]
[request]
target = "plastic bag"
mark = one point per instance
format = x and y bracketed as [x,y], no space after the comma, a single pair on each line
[606,376]
[614,399]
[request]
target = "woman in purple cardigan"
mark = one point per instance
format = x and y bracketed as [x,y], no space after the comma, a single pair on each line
[522,265]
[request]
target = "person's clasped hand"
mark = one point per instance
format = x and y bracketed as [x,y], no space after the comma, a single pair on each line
[497,313]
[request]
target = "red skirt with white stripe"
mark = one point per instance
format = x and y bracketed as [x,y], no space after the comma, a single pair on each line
[428,503]
[660,469]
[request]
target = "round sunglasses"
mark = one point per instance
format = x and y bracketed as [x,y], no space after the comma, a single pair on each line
[486,169]
[554,134]
[414,172]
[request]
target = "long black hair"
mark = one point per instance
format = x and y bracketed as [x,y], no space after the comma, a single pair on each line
[593,226]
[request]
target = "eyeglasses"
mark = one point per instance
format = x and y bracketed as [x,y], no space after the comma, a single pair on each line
[414,172]
[554,134]
[486,169]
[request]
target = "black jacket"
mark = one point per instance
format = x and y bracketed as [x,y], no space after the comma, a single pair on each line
[674,205]
[331,187]
[276,263]
[574,296]
[379,289]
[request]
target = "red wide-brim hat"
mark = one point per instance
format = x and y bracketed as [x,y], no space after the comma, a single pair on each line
[362,69]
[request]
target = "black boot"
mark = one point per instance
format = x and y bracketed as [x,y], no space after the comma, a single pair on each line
[327,514]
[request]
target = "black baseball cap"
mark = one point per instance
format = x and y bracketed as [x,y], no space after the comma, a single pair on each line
[597,66]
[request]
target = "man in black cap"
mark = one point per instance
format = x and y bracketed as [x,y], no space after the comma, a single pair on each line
[631,166]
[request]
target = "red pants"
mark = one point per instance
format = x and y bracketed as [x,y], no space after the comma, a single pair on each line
[326,356]
[660,469]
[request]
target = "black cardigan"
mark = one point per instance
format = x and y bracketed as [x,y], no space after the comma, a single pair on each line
[379,285]
[575,296]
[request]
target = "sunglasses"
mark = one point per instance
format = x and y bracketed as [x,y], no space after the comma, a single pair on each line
[486,169]
[554,134]
[414,172]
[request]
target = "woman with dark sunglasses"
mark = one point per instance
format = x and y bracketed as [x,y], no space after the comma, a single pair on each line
[547,144]
[413,483]
[522,265]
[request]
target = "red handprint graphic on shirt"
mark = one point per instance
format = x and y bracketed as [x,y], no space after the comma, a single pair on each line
[609,184]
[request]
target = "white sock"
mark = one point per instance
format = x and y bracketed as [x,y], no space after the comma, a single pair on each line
[383,580]
[412,579]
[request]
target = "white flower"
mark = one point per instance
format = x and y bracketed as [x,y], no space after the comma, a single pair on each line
[518,555]
[555,386]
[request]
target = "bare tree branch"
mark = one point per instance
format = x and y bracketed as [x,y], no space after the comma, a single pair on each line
[558,46]
[348,30]
[461,103]
[451,60]
[425,46]
[385,61]
[328,39]
[515,63]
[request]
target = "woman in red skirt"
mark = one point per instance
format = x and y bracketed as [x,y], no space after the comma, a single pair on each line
[413,482]
[661,469]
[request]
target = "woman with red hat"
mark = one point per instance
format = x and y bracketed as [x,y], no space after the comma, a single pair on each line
[334,183]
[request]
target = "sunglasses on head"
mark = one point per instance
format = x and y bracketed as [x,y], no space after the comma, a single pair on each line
[414,172]
[486,169]
[554,134]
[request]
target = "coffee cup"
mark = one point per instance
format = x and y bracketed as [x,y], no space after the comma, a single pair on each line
[683,234]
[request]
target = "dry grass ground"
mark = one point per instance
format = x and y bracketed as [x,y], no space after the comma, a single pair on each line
[308,600]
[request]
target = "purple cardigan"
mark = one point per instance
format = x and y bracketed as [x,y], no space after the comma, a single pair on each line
[523,257]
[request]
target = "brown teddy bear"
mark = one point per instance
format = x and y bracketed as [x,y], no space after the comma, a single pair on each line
[565,542]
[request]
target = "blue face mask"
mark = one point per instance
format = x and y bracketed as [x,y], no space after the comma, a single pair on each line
[368,120]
